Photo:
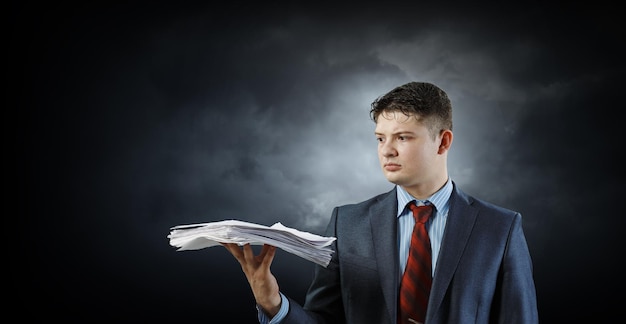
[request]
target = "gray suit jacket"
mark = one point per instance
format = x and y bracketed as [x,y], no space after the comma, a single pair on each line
[483,274]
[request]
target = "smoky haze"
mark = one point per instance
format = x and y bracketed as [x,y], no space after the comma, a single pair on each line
[136,119]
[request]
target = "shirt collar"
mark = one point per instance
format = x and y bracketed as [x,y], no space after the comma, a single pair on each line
[439,199]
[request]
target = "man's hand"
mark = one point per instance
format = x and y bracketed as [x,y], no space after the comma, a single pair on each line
[257,271]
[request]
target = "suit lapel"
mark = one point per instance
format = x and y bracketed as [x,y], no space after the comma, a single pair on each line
[461,218]
[384,233]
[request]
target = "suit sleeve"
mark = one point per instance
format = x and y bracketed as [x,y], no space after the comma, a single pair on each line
[517,296]
[323,302]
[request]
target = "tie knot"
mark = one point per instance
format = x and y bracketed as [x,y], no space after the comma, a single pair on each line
[421,213]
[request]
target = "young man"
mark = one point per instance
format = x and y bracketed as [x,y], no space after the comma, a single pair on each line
[478,263]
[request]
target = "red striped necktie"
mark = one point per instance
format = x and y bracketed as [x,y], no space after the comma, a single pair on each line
[417,278]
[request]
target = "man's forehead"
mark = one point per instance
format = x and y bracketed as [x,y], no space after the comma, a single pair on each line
[403,124]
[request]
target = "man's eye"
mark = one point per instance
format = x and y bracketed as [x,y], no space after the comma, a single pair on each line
[402,138]
[379,139]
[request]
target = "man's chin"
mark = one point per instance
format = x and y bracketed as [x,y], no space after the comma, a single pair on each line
[394,179]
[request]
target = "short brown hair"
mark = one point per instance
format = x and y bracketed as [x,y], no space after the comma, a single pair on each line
[420,99]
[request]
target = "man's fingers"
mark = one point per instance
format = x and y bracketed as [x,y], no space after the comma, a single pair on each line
[267,255]
[245,255]
[235,250]
[248,253]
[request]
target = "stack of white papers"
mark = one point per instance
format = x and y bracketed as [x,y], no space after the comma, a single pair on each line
[303,244]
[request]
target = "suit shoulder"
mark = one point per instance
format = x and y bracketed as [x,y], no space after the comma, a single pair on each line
[366,204]
[484,205]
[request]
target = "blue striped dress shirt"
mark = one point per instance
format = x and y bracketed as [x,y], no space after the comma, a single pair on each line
[435,225]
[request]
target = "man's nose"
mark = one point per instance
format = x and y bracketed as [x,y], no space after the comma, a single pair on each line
[387,149]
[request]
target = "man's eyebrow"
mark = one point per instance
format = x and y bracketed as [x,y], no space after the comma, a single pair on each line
[396,133]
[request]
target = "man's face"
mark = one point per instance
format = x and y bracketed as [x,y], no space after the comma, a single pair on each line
[407,153]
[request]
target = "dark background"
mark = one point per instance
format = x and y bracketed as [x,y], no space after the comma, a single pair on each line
[123,120]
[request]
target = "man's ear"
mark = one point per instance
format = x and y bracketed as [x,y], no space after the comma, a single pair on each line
[446,138]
